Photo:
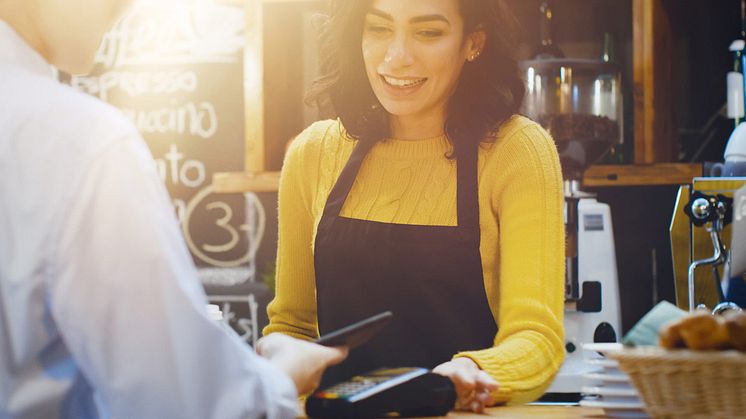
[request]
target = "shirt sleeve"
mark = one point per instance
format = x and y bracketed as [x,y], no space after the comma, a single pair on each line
[528,348]
[293,310]
[129,306]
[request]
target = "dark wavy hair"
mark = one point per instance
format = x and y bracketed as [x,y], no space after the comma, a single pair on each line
[490,89]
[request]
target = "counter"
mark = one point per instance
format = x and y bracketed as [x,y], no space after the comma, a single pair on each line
[529,411]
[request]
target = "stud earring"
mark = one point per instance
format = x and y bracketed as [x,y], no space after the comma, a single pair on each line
[474,56]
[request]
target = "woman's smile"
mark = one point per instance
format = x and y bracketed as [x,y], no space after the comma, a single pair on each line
[402,86]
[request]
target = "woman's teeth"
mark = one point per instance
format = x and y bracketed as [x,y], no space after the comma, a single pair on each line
[402,82]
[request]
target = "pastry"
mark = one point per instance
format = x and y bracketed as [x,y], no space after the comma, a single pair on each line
[703,331]
[736,324]
[669,335]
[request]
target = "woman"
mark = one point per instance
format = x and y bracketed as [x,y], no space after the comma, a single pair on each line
[428,197]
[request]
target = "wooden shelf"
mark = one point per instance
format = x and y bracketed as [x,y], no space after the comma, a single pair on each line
[641,174]
[595,176]
[240,182]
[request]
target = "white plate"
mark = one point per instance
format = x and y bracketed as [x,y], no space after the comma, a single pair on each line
[603,347]
[609,366]
[617,409]
[608,378]
[603,362]
[610,394]
[610,391]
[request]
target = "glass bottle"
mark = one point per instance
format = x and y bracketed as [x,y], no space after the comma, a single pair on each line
[547,48]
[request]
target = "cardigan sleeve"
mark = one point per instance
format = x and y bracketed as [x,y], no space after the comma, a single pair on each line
[293,310]
[528,349]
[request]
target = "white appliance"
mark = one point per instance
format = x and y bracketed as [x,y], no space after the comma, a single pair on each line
[592,308]
[579,102]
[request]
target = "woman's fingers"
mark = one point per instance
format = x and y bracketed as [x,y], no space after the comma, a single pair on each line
[485,398]
[477,407]
[473,386]
[485,381]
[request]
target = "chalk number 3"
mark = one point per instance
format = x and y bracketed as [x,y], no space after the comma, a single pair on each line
[254,227]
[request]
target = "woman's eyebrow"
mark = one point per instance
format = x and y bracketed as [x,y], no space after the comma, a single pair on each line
[429,18]
[416,19]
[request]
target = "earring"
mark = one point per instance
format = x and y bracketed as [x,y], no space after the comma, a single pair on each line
[474,56]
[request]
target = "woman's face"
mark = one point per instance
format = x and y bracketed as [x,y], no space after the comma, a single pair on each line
[414,51]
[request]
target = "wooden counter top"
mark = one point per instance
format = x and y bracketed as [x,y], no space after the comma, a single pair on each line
[529,411]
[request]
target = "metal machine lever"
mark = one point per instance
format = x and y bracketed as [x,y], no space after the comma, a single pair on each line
[715,211]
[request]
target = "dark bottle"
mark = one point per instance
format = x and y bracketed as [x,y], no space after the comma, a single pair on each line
[615,155]
[547,48]
[608,52]
[743,19]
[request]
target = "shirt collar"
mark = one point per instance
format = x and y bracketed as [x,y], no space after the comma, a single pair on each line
[15,50]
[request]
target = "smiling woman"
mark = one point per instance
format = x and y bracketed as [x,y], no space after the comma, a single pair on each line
[413,63]
[428,197]
[440,38]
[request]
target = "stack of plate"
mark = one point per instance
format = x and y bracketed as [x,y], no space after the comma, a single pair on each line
[608,388]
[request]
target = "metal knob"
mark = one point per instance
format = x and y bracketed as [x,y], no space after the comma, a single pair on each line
[701,209]
[721,208]
[725,306]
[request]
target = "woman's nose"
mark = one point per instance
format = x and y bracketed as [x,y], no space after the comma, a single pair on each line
[398,53]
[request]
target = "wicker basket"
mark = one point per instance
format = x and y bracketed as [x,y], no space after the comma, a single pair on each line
[687,384]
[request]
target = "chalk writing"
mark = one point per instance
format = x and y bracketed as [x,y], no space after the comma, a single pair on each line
[246,327]
[174,67]
[253,228]
[198,119]
[174,32]
[137,83]
[190,172]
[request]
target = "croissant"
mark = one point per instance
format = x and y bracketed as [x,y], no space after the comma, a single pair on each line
[699,331]
[736,324]
[704,331]
[669,336]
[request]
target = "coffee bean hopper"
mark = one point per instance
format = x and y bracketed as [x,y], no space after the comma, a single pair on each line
[579,102]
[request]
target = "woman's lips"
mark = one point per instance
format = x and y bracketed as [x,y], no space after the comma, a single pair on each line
[398,86]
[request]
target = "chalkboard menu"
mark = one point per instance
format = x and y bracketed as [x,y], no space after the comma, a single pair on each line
[175,68]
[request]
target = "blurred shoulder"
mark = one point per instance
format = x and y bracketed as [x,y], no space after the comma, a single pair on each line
[56,120]
[73,118]
[57,101]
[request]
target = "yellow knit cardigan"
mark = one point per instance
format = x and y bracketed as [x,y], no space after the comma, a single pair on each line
[411,182]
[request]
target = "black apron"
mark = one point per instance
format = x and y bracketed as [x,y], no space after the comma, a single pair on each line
[430,277]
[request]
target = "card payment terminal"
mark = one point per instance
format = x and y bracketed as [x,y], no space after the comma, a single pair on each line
[401,391]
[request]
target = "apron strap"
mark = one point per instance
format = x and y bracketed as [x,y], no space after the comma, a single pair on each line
[342,187]
[467,189]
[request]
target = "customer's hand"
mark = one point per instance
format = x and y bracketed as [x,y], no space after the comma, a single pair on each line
[303,361]
[473,386]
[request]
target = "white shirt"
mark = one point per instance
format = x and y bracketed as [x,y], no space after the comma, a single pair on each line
[101,311]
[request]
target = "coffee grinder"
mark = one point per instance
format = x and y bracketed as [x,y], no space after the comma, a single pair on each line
[579,102]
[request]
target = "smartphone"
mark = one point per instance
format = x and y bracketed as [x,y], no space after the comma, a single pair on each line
[356,334]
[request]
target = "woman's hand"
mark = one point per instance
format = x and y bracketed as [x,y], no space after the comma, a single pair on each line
[473,386]
[303,361]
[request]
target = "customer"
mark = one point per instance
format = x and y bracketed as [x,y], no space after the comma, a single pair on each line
[428,197]
[101,312]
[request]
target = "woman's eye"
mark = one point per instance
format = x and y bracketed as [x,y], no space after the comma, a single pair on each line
[377,29]
[430,33]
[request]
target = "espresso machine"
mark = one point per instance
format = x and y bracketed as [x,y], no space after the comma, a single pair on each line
[579,102]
